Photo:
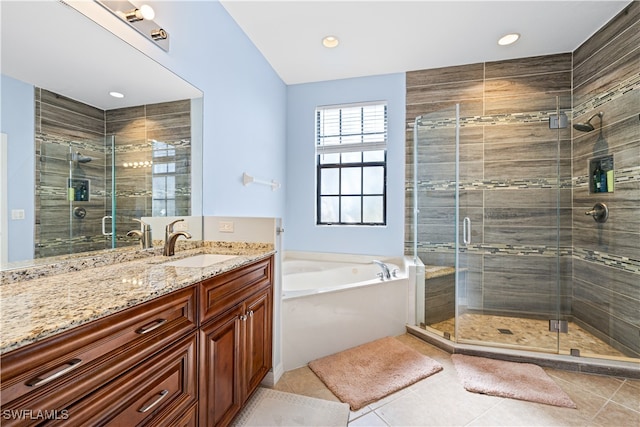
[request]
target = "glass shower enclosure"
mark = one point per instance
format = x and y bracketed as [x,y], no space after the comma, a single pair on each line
[492,219]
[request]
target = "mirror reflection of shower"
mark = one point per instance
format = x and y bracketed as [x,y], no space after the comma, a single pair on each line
[588,127]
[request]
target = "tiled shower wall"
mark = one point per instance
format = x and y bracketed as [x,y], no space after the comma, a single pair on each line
[508,179]
[160,135]
[606,266]
[65,126]
[508,188]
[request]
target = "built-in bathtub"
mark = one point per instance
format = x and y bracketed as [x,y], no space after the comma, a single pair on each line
[331,302]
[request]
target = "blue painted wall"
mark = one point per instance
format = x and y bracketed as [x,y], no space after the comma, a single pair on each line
[244,106]
[18,122]
[301,232]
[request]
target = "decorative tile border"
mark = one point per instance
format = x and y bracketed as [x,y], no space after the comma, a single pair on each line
[507,184]
[492,120]
[608,260]
[617,91]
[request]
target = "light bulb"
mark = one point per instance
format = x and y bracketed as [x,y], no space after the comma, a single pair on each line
[508,39]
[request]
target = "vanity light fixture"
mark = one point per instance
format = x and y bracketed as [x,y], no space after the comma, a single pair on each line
[144,12]
[508,39]
[159,34]
[140,19]
[116,94]
[330,42]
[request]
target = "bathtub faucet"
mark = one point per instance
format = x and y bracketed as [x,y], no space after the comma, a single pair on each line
[386,274]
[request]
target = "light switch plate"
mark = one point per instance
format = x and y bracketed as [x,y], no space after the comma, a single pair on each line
[225,226]
[17,213]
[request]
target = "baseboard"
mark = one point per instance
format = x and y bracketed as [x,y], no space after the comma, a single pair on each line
[273,376]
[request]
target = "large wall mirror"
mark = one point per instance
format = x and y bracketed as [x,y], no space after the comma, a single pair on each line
[80,164]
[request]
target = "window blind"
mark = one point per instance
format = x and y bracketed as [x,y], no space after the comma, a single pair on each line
[351,128]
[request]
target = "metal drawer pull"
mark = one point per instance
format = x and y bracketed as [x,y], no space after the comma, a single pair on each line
[243,317]
[156,324]
[73,364]
[148,406]
[250,313]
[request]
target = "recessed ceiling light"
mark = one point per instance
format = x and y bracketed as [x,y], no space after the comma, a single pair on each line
[116,94]
[508,39]
[330,42]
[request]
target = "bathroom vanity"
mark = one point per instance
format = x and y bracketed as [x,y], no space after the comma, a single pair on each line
[189,353]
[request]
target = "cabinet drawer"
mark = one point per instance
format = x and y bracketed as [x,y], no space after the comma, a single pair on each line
[157,392]
[222,292]
[50,374]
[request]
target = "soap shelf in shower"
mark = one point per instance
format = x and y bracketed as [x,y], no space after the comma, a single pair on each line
[601,175]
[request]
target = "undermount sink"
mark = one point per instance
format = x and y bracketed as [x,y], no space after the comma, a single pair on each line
[200,261]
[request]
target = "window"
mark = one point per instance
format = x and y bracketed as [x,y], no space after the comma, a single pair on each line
[164,179]
[351,153]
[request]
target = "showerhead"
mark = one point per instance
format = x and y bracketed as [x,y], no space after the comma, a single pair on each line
[588,127]
[79,158]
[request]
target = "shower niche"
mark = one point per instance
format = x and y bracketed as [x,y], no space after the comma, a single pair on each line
[601,175]
[78,189]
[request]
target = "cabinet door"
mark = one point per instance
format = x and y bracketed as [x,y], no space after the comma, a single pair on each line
[257,339]
[220,369]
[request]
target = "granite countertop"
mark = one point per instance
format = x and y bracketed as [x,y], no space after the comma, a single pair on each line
[31,310]
[433,271]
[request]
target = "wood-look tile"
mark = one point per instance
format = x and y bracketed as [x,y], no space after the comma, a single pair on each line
[535,150]
[444,109]
[125,114]
[606,60]
[620,281]
[515,102]
[597,239]
[434,76]
[524,235]
[616,109]
[164,108]
[611,138]
[457,91]
[527,198]
[524,169]
[533,84]
[50,99]
[613,29]
[537,217]
[527,66]
[601,82]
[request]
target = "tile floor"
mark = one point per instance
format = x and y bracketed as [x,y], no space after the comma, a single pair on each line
[440,400]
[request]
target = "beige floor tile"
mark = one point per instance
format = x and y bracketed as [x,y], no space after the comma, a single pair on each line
[616,415]
[371,419]
[511,412]
[628,395]
[440,400]
[597,384]
[588,403]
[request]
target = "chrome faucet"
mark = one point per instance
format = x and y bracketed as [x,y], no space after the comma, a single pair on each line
[170,238]
[386,274]
[144,234]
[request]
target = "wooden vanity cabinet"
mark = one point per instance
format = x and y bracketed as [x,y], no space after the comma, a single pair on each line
[188,358]
[43,380]
[235,340]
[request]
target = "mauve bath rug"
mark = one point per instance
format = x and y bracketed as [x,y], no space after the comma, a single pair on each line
[523,381]
[366,373]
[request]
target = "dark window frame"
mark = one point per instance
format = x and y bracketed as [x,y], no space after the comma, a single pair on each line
[340,166]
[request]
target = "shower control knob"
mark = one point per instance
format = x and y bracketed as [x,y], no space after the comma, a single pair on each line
[79,212]
[600,212]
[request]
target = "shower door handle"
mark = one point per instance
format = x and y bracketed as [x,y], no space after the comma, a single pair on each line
[104,223]
[466,230]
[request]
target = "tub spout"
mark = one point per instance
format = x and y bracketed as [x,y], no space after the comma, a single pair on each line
[386,273]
